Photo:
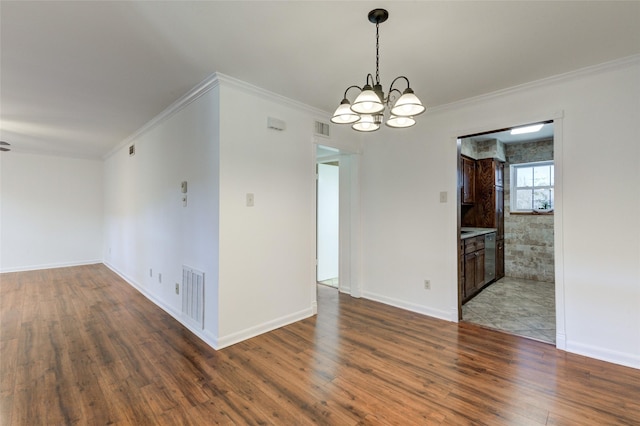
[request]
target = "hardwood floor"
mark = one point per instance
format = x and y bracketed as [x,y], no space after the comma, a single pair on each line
[80,346]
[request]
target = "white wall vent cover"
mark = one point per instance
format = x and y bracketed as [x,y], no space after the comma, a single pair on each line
[322,129]
[274,123]
[132,150]
[193,296]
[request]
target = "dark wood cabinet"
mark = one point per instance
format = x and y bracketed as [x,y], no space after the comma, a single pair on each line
[468,181]
[469,275]
[473,267]
[482,199]
[489,200]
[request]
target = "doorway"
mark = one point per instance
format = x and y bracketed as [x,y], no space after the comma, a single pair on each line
[348,234]
[328,218]
[520,298]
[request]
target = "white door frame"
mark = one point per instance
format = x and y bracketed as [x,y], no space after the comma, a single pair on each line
[557,118]
[349,220]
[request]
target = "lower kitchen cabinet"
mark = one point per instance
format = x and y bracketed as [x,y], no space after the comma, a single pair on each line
[473,274]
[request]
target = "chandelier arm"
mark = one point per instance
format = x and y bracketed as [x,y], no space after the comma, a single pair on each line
[390,99]
[396,79]
[349,88]
[369,76]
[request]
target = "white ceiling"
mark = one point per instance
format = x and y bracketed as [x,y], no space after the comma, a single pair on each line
[77,78]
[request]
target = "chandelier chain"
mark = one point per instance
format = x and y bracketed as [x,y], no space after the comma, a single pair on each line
[377,54]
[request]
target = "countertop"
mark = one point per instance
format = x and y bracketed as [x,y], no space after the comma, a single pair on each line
[474,232]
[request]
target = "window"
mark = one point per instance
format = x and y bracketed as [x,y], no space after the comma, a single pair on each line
[532,186]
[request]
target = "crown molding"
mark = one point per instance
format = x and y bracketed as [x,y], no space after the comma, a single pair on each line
[571,75]
[212,81]
[271,96]
[203,87]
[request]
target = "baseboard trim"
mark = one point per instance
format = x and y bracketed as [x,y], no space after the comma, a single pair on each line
[50,266]
[561,341]
[420,309]
[254,331]
[204,335]
[615,357]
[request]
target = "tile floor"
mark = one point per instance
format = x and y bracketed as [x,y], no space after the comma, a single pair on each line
[331,282]
[518,306]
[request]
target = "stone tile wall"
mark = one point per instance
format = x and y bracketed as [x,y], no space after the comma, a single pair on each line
[528,238]
[490,148]
[469,148]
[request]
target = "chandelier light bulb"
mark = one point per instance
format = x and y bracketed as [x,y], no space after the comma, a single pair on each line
[408,105]
[367,123]
[400,121]
[367,102]
[344,115]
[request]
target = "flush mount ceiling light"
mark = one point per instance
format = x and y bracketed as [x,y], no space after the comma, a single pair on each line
[527,129]
[367,112]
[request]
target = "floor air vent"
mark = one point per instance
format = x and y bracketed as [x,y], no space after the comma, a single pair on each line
[193,295]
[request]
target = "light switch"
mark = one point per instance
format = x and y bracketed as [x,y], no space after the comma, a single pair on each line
[249,199]
[443,197]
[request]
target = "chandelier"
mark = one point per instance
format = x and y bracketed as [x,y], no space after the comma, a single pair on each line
[366,114]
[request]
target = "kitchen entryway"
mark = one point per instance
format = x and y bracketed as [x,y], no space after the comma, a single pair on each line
[507,194]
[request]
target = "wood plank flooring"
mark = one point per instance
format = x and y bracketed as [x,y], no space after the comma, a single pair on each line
[80,346]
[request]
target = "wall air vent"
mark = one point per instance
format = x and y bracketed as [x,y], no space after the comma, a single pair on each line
[193,296]
[132,150]
[275,124]
[322,129]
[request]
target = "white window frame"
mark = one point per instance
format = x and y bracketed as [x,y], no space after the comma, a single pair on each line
[513,185]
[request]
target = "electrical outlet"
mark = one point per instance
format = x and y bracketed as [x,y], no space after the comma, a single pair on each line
[250,200]
[427,285]
[177,288]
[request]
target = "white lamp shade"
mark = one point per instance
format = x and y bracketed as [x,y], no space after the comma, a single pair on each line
[344,115]
[366,124]
[407,105]
[367,102]
[399,122]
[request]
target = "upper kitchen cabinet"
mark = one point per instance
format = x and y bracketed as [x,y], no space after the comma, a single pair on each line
[489,200]
[468,180]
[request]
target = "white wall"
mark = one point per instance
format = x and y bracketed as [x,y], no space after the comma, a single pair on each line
[267,252]
[259,261]
[409,236]
[50,211]
[146,226]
